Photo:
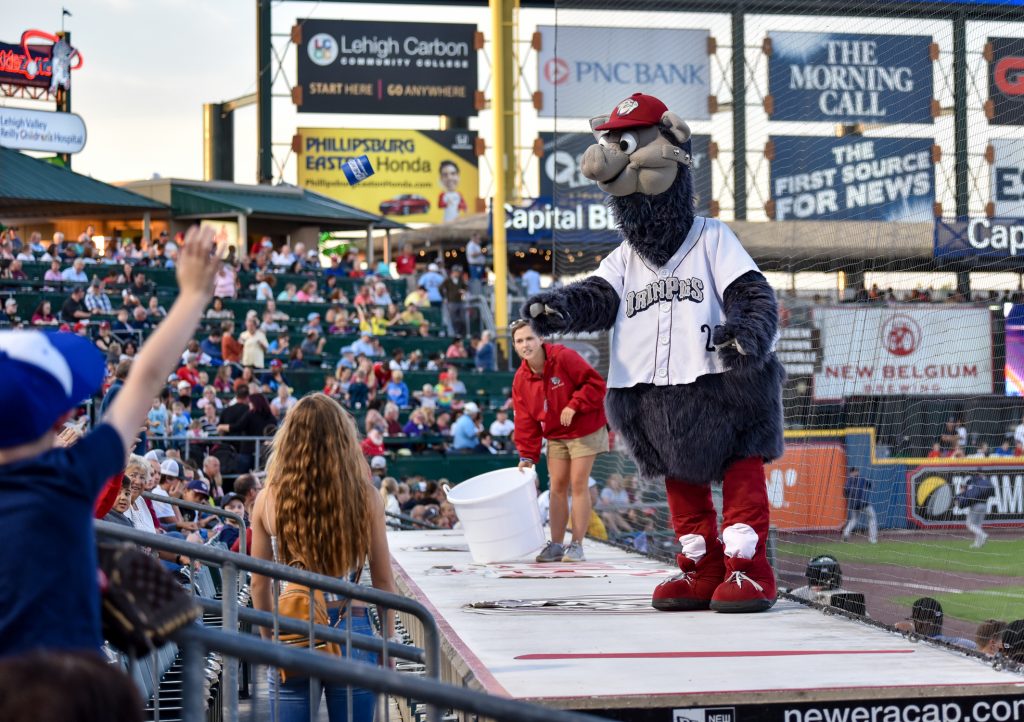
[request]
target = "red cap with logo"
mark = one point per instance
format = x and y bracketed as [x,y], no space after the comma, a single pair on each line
[636,111]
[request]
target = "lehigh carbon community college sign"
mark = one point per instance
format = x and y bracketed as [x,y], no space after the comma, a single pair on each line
[378,67]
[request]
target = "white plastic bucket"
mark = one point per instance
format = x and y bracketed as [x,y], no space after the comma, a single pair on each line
[499,514]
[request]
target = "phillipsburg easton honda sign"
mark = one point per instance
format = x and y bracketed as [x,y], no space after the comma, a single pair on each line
[931,491]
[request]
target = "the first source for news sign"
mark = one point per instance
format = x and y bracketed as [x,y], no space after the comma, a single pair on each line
[348,66]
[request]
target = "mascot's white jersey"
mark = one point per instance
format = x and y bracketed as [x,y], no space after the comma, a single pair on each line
[667,316]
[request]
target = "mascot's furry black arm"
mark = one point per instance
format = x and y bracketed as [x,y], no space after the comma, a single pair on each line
[587,305]
[752,320]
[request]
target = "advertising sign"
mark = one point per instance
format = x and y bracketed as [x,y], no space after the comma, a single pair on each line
[564,187]
[1008,177]
[1006,81]
[805,487]
[1014,368]
[839,77]
[991,238]
[585,71]
[903,350]
[852,179]
[350,66]
[423,176]
[932,491]
[41,130]
[17,68]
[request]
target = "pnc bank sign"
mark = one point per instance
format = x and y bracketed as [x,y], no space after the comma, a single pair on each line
[596,67]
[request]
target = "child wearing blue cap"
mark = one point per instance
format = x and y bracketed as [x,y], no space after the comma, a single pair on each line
[52,598]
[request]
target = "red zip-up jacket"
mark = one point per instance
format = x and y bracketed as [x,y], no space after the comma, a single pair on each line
[538,400]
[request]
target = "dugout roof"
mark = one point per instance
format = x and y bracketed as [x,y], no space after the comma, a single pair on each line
[33,188]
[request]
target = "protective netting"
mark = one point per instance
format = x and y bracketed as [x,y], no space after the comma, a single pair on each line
[869,163]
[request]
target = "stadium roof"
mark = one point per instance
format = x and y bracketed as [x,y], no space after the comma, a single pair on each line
[30,188]
[218,199]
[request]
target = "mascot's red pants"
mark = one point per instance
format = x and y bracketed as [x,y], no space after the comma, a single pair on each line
[727,574]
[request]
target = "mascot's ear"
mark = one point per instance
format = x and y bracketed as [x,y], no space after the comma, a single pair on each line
[676,126]
[594,122]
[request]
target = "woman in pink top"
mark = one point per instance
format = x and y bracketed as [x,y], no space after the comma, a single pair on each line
[224,286]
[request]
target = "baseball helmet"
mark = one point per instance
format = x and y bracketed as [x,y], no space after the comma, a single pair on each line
[824,571]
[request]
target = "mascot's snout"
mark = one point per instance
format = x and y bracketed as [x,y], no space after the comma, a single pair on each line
[632,153]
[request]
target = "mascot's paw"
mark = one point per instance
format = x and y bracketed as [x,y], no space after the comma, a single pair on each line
[545,313]
[692,590]
[749,586]
[736,348]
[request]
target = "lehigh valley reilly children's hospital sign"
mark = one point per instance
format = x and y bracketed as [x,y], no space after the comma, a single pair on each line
[839,77]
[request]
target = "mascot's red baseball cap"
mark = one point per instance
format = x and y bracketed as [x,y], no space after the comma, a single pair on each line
[636,111]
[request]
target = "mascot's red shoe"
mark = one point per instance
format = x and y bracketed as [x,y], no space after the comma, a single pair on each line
[703,561]
[749,584]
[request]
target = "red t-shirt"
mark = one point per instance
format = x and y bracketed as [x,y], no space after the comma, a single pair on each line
[405,264]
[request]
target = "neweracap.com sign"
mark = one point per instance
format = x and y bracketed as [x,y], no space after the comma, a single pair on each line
[853,179]
[585,71]
[839,77]
[979,237]
[348,66]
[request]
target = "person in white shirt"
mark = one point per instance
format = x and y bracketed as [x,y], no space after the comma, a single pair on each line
[75,272]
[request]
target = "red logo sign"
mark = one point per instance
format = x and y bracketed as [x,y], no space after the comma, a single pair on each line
[901,335]
[556,71]
[1008,75]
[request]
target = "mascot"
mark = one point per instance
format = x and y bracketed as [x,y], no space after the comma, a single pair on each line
[694,386]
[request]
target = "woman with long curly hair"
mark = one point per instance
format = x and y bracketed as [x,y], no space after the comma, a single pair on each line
[319,511]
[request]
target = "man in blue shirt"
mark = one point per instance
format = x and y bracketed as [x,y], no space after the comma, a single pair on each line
[465,430]
[50,598]
[431,281]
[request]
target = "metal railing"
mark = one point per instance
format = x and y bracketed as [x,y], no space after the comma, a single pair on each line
[230,564]
[206,509]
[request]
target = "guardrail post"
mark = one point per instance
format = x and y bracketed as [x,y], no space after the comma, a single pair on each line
[193,698]
[229,623]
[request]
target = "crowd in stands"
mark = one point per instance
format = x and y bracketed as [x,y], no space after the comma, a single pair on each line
[955,440]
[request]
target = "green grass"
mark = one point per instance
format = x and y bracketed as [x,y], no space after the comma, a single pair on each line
[1006,603]
[1004,558]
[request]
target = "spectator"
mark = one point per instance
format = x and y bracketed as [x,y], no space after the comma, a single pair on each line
[936,451]
[1004,449]
[418,297]
[283,402]
[427,397]
[458,388]
[363,345]
[981,452]
[396,390]
[75,273]
[217,311]
[431,281]
[208,422]
[319,509]
[1013,641]
[96,300]
[486,353]
[502,426]
[405,262]
[10,312]
[857,492]
[1018,438]
[465,431]
[394,427]
[15,272]
[453,291]
[989,636]
[381,297]
[74,308]
[308,293]
[43,315]
[416,425]
[283,257]
[373,444]
[248,487]
[53,274]
[378,470]
[926,619]
[485,444]
[477,262]
[223,382]
[457,349]
[57,604]
[531,282]
[154,310]
[265,283]
[254,344]
[225,286]
[312,345]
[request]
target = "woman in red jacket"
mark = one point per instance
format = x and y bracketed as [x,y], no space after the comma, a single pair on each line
[559,397]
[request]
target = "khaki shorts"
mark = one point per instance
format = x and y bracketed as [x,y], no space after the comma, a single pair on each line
[589,445]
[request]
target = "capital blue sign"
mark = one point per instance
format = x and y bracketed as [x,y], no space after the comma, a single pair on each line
[989,238]
[838,77]
[852,179]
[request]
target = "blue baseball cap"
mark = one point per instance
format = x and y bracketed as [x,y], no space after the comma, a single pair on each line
[44,376]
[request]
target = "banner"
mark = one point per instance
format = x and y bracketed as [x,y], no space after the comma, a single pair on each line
[41,130]
[17,69]
[1006,81]
[838,77]
[1013,371]
[990,238]
[349,66]
[852,179]
[1008,177]
[931,491]
[422,176]
[903,350]
[564,187]
[595,68]
[805,487]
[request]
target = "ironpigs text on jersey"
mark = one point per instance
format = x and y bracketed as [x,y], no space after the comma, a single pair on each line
[664,289]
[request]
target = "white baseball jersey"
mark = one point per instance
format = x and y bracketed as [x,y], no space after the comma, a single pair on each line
[667,316]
